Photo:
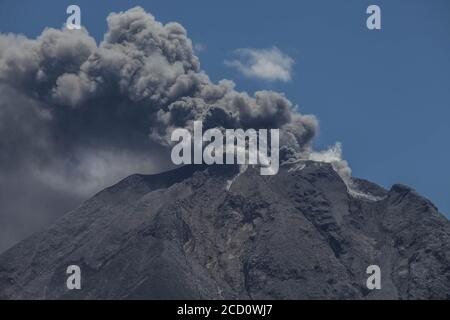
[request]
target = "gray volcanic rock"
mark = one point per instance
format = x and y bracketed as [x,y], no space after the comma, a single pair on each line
[213,232]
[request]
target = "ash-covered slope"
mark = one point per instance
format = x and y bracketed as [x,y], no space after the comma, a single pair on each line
[212,232]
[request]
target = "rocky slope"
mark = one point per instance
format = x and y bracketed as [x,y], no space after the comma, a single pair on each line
[214,232]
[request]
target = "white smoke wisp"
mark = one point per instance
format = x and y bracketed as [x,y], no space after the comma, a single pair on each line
[333,155]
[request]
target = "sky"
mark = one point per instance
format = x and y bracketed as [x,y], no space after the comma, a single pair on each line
[384,94]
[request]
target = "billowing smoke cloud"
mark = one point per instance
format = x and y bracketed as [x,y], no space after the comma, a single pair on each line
[76,116]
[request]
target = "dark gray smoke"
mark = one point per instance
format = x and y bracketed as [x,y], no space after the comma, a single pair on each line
[76,116]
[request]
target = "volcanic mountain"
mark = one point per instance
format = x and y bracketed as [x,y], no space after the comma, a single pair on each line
[222,232]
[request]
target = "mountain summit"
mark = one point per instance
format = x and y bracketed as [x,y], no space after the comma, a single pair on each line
[222,232]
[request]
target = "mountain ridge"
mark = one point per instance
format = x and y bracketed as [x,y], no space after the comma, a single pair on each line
[220,232]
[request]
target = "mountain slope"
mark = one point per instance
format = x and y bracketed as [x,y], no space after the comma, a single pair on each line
[215,232]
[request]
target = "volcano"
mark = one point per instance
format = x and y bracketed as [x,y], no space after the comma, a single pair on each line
[227,232]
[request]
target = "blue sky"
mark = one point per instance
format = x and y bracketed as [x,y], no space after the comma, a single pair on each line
[384,94]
